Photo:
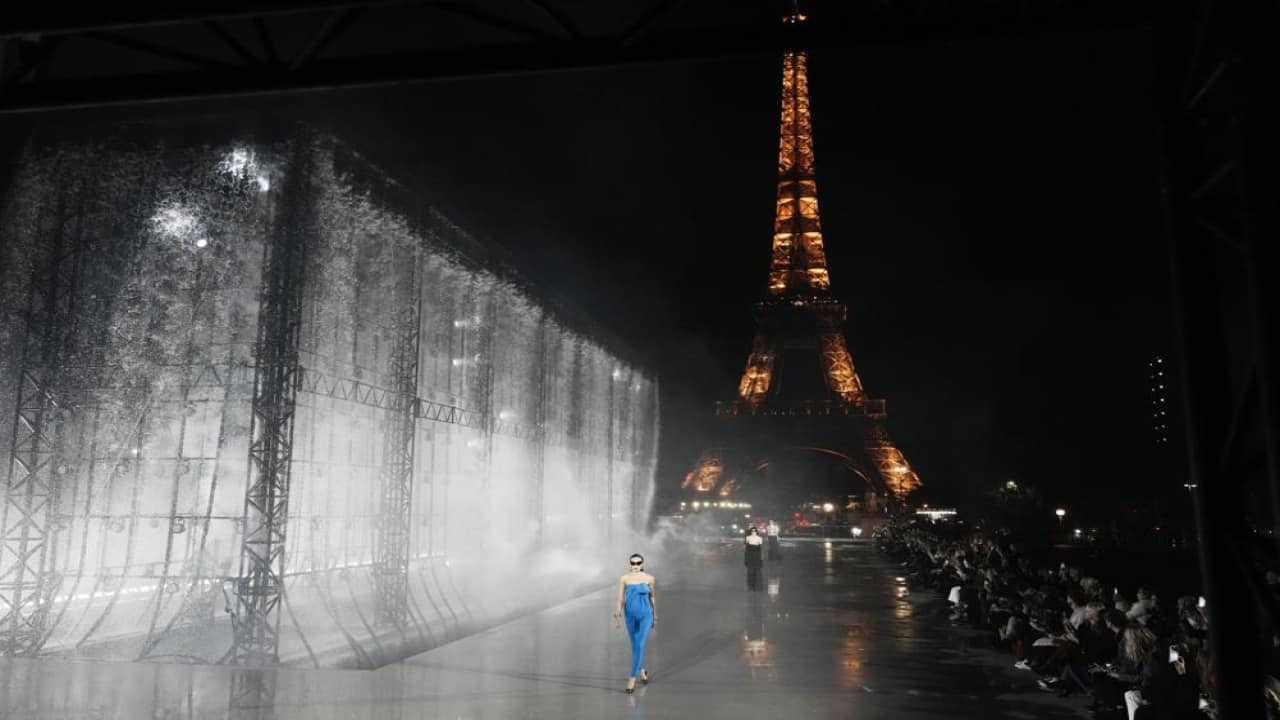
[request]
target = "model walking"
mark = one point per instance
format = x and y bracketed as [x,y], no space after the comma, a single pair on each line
[636,603]
[771,534]
[751,557]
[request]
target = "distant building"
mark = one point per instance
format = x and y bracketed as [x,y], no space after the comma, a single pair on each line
[1159,383]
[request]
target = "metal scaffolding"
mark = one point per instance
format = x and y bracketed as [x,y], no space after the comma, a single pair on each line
[395,521]
[227,320]
[1218,94]
[254,48]
[28,556]
[256,618]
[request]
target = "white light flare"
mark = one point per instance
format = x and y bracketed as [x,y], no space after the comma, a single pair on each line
[242,163]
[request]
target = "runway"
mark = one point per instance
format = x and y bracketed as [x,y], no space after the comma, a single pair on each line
[832,635]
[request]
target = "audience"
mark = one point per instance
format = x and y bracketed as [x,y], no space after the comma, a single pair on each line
[1134,659]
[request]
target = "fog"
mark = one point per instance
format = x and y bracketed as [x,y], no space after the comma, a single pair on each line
[131,347]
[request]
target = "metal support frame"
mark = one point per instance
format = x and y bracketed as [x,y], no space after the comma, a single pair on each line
[28,556]
[1218,96]
[639,404]
[501,38]
[610,457]
[258,590]
[394,525]
[540,425]
[486,369]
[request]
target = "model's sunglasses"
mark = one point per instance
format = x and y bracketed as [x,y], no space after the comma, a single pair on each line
[636,564]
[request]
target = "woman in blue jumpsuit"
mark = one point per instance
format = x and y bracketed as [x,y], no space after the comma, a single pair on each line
[636,604]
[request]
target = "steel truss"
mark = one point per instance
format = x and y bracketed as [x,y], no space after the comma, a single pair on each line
[258,47]
[394,525]
[1218,97]
[258,590]
[544,383]
[28,558]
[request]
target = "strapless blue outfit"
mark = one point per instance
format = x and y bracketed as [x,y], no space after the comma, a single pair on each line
[638,611]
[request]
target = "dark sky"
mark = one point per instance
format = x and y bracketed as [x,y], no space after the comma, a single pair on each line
[991,218]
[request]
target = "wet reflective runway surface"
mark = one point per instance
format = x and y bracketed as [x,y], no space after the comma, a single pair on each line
[830,635]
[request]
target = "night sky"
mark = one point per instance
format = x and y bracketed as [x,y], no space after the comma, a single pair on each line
[991,217]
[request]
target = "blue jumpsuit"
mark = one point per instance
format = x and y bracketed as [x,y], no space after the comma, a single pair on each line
[638,610]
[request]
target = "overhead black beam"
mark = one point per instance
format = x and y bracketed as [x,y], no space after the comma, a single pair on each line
[430,66]
[50,18]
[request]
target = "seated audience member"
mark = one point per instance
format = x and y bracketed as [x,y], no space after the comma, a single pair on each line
[1111,680]
[1192,624]
[1168,691]
[1144,608]
[1091,587]
[1096,645]
[1075,603]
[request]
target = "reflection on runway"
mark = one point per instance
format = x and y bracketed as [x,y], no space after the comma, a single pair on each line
[831,636]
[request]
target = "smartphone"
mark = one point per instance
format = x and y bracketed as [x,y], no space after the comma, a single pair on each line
[1173,654]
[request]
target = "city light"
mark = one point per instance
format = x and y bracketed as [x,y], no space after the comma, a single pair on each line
[857,532]
[828,507]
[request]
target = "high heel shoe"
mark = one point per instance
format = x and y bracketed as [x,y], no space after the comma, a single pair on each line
[644,677]
[631,686]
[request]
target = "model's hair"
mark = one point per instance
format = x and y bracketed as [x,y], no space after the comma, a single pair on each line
[636,555]
[752,529]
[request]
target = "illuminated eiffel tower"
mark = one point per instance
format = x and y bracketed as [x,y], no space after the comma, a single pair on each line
[800,391]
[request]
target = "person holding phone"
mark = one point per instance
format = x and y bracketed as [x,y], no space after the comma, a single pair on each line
[1168,688]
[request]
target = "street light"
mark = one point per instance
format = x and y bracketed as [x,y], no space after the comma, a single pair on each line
[1061,514]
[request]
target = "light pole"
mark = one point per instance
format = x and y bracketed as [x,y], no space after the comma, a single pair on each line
[1061,513]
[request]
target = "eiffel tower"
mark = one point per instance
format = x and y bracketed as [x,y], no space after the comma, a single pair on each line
[800,391]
